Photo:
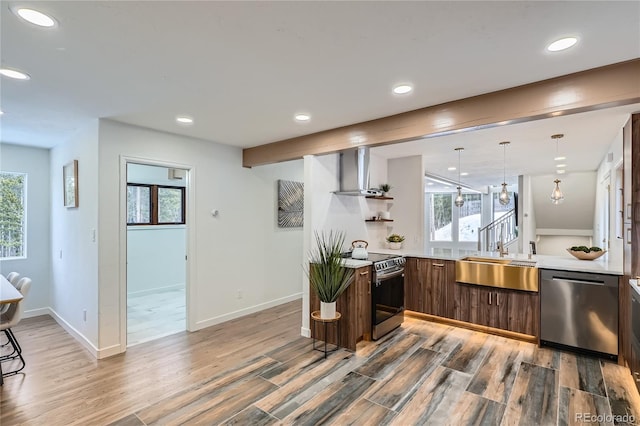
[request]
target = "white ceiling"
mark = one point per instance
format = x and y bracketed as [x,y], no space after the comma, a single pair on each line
[242,69]
[587,139]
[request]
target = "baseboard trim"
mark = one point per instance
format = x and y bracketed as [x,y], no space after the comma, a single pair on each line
[305,332]
[86,343]
[246,311]
[36,312]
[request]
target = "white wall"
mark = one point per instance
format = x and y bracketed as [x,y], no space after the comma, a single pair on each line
[326,211]
[74,254]
[149,247]
[34,162]
[576,212]
[527,225]
[151,175]
[239,250]
[603,229]
[408,205]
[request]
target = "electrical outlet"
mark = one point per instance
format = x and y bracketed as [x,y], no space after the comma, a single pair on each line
[60,254]
[239,296]
[84,315]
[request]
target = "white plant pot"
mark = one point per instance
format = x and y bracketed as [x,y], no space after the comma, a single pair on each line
[395,246]
[327,310]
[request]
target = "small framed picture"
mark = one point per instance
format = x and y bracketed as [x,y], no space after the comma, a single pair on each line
[70,182]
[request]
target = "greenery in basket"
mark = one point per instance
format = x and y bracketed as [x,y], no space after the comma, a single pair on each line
[585,249]
[327,275]
[395,238]
[385,187]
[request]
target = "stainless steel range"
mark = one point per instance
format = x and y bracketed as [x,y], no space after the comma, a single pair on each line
[387,293]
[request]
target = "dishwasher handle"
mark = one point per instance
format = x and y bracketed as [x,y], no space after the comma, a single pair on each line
[589,282]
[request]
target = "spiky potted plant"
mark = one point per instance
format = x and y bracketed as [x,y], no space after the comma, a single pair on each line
[327,276]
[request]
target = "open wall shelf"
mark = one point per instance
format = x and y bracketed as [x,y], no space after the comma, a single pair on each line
[376,197]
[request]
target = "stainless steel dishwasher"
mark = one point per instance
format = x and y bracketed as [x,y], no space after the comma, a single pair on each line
[579,310]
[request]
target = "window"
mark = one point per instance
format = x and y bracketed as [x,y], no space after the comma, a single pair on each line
[450,224]
[155,204]
[470,217]
[441,217]
[498,209]
[12,215]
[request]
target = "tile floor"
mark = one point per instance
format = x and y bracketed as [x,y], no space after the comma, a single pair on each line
[152,316]
[422,374]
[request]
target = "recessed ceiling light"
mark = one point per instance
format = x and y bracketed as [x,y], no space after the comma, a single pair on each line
[429,183]
[35,17]
[302,117]
[401,89]
[184,119]
[560,158]
[561,165]
[563,43]
[18,75]
[560,171]
[451,169]
[464,174]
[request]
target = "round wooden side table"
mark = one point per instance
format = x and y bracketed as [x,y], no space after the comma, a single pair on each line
[315,316]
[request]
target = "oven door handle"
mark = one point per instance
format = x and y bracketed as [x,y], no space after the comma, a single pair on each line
[382,277]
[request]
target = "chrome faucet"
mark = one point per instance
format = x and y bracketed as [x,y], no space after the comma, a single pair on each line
[501,248]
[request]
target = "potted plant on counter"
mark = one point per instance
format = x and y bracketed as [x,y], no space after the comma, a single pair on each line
[385,187]
[395,241]
[327,275]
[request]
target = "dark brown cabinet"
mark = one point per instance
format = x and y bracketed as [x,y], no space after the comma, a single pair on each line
[524,312]
[355,307]
[428,282]
[431,288]
[511,310]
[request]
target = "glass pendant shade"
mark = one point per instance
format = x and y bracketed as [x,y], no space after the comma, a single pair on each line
[504,198]
[556,195]
[504,195]
[459,202]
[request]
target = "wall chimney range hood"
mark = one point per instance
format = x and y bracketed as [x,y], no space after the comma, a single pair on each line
[354,173]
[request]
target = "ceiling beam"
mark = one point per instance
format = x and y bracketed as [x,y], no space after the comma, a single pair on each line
[604,87]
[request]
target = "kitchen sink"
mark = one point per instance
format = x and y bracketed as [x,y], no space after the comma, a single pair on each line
[487,260]
[497,272]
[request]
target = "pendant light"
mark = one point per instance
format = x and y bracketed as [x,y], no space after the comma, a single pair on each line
[556,195]
[459,201]
[504,194]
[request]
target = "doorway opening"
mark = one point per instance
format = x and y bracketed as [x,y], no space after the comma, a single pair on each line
[156,235]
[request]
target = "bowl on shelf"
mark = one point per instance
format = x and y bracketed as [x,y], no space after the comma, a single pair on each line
[592,255]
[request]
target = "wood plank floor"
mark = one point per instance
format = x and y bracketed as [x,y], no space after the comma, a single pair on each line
[257,370]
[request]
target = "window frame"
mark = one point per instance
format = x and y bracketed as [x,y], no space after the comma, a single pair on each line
[154,204]
[455,222]
[25,213]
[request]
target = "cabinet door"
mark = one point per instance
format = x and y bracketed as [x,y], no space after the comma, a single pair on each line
[523,312]
[412,286]
[436,273]
[480,310]
[363,302]
[499,307]
[462,302]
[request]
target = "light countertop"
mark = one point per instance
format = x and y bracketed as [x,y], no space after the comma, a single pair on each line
[564,263]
